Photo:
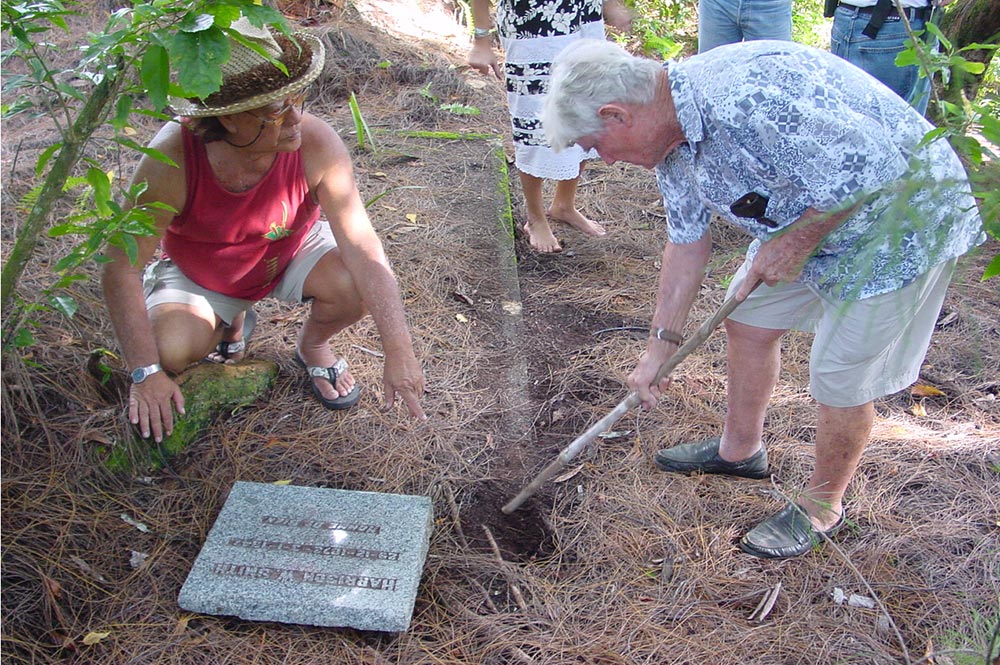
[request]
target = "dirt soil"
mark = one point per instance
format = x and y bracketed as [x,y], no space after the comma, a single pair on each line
[611,562]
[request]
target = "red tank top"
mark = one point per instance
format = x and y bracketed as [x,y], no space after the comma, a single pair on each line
[239,243]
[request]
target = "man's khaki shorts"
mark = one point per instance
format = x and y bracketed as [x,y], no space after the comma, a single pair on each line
[163,282]
[862,349]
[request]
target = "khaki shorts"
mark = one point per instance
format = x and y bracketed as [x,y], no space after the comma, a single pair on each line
[163,282]
[863,349]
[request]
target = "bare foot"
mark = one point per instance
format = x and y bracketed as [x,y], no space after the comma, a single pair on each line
[324,357]
[573,217]
[541,237]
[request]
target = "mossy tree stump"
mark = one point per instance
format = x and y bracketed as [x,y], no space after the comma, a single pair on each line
[210,390]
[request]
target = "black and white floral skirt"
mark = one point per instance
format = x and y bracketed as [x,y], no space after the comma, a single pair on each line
[532,33]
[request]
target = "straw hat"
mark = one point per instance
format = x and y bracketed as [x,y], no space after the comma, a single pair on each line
[250,81]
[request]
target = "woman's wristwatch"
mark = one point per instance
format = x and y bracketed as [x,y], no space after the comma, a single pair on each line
[140,374]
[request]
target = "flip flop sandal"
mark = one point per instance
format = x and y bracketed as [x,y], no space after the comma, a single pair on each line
[330,374]
[227,350]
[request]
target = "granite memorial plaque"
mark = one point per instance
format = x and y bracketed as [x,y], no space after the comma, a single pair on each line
[315,556]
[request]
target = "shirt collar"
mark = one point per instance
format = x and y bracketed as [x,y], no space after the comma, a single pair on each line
[684,104]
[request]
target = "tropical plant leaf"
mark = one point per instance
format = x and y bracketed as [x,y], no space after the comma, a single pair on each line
[197,57]
[154,72]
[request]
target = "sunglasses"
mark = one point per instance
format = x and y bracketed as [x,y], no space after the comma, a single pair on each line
[298,102]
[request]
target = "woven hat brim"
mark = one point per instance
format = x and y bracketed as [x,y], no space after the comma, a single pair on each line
[194,109]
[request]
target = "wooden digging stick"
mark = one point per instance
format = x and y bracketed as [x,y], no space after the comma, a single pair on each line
[605,423]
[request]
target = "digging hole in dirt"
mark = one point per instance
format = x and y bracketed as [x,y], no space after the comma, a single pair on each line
[522,536]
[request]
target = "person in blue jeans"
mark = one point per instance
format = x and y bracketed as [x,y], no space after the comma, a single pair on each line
[731,21]
[858,38]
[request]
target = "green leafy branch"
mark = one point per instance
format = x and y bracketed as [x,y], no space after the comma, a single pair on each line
[145,54]
[957,120]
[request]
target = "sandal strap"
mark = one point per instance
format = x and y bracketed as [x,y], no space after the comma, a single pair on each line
[227,349]
[329,373]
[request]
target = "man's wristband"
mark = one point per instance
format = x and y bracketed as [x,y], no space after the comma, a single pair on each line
[666,335]
[479,33]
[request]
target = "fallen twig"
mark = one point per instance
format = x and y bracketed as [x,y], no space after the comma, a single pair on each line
[521,656]
[766,604]
[514,591]
[371,352]
[455,515]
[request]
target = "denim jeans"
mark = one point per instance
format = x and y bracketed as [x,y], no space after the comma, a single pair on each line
[878,56]
[730,21]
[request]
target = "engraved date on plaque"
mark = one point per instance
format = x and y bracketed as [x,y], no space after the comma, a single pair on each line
[305,523]
[309,548]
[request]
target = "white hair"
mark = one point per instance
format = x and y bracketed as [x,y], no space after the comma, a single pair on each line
[586,75]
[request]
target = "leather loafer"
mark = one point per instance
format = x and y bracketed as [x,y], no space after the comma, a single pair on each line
[787,534]
[703,456]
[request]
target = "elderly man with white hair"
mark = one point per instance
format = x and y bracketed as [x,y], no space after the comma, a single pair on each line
[857,225]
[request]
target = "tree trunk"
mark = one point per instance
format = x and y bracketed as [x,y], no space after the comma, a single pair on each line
[92,115]
[970,22]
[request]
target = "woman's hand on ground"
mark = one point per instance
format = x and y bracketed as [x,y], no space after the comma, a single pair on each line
[151,406]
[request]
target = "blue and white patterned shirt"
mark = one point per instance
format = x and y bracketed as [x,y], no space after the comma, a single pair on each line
[807,129]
